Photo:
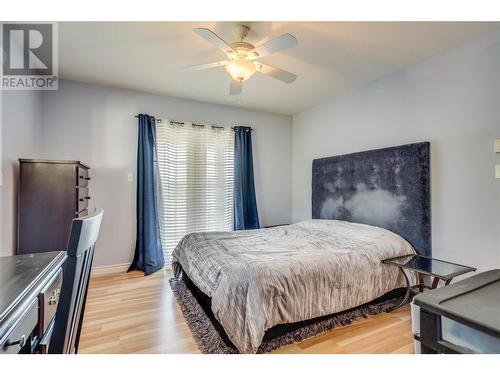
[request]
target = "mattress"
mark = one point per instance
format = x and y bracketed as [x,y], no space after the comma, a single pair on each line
[261,278]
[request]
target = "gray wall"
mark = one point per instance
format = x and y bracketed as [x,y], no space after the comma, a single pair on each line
[96,124]
[452,101]
[21,121]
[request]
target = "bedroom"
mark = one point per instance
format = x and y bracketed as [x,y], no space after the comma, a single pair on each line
[259,205]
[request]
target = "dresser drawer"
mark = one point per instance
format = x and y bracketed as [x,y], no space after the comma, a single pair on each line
[21,333]
[48,300]
[83,177]
[83,198]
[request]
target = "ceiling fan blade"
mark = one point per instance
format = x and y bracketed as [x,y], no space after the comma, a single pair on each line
[279,74]
[277,44]
[235,88]
[213,38]
[207,66]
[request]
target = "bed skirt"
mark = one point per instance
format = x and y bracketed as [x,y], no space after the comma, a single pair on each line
[279,330]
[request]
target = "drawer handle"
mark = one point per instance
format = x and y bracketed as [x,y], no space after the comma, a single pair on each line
[84,178]
[54,298]
[81,199]
[21,342]
[87,198]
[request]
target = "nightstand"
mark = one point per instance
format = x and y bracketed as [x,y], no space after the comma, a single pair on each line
[438,269]
[275,225]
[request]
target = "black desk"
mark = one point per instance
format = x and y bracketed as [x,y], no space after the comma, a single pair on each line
[461,318]
[29,292]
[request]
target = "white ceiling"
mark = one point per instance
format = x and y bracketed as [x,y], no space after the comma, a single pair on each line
[331,57]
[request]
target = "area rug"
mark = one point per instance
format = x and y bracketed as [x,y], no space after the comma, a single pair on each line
[210,342]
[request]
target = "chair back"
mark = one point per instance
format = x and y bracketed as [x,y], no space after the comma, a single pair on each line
[76,274]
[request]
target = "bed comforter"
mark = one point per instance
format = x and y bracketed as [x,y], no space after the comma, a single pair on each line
[260,278]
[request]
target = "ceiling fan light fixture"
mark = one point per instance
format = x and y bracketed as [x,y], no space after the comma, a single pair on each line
[240,69]
[241,63]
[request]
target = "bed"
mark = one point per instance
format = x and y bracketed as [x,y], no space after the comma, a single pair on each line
[366,207]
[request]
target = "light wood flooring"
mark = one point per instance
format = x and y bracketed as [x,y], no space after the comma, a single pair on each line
[130,313]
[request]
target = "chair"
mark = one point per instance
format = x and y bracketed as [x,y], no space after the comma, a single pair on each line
[69,315]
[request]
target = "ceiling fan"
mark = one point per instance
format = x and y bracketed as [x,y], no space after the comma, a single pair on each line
[242,57]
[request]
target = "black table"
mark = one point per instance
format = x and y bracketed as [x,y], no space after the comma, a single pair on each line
[461,318]
[422,265]
[29,294]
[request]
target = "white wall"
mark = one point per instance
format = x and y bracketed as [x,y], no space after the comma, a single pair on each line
[21,125]
[452,101]
[96,124]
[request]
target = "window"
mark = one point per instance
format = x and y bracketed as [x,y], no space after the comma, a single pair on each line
[196,174]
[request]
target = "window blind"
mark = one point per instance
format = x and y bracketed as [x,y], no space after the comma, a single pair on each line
[196,181]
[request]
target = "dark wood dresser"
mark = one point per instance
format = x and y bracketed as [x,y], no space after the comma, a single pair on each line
[30,286]
[51,194]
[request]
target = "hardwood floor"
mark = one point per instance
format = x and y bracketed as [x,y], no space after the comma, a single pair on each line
[130,313]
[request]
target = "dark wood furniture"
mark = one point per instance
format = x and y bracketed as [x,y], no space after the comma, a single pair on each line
[461,318]
[69,315]
[422,265]
[51,194]
[29,295]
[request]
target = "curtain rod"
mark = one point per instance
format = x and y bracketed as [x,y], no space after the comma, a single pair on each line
[156,119]
[181,123]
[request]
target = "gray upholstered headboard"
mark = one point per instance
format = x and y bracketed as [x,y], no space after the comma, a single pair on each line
[389,188]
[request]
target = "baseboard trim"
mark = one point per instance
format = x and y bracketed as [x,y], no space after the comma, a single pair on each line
[112,268]
[116,268]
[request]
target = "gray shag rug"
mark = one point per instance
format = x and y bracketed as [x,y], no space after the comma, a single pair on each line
[210,342]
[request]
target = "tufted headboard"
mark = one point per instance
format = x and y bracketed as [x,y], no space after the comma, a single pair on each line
[388,187]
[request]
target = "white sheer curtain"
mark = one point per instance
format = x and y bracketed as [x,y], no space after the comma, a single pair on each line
[196,173]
